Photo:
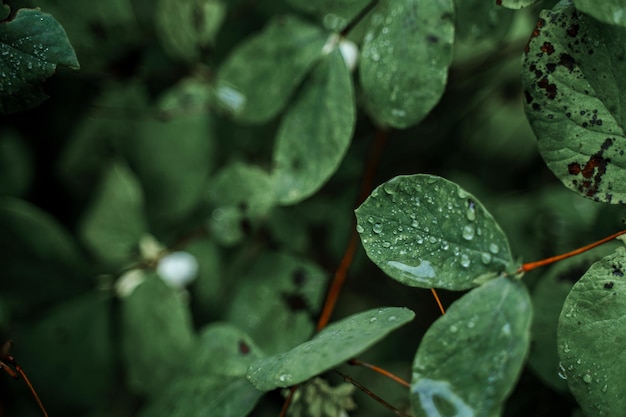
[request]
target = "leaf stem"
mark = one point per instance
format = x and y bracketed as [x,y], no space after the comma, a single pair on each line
[355,21]
[443,311]
[381,371]
[349,379]
[532,265]
[287,403]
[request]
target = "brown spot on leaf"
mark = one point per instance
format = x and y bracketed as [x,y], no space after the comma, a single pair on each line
[550,88]
[567,61]
[547,48]
[572,30]
[592,172]
[498,2]
[608,285]
[535,33]
[243,347]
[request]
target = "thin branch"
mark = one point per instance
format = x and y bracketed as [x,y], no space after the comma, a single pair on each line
[381,371]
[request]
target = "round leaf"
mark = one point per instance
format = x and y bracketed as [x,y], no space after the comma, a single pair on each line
[575,94]
[31,47]
[591,337]
[257,79]
[335,344]
[470,359]
[320,122]
[425,231]
[404,62]
[608,11]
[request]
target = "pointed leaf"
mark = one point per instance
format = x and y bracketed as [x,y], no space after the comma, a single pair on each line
[405,57]
[257,79]
[572,74]
[276,299]
[335,344]
[470,358]
[31,47]
[115,221]
[320,122]
[156,333]
[426,231]
[591,335]
[607,11]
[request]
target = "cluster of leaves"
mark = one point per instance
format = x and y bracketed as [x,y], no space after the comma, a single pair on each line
[236,132]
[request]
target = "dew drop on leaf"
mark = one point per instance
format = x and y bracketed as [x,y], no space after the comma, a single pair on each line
[587,379]
[493,248]
[360,229]
[562,373]
[465,261]
[468,232]
[377,228]
[485,258]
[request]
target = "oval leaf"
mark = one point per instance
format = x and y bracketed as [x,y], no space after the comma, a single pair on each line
[470,358]
[404,63]
[607,11]
[426,231]
[592,328]
[320,122]
[31,47]
[575,91]
[335,344]
[257,79]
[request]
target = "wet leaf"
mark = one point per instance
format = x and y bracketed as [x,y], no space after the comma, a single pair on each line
[405,57]
[156,333]
[32,45]
[320,122]
[607,11]
[78,329]
[451,376]
[115,221]
[591,337]
[515,4]
[187,28]
[574,100]
[257,79]
[426,231]
[276,300]
[334,14]
[478,23]
[335,344]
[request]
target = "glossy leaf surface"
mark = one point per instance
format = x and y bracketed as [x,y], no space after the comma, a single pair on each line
[591,337]
[320,122]
[572,74]
[404,60]
[335,344]
[257,79]
[32,45]
[451,376]
[426,231]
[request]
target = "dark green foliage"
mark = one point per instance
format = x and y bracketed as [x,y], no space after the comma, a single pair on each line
[234,136]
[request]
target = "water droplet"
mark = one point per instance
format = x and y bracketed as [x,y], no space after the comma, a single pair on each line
[432,239]
[377,228]
[386,244]
[453,329]
[392,318]
[493,248]
[284,377]
[465,261]
[605,388]
[445,245]
[389,188]
[370,220]
[415,224]
[471,324]
[468,232]
[471,210]
[561,372]
[359,228]
[587,379]
[373,319]
[485,257]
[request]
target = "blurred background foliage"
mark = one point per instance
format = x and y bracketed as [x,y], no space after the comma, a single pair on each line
[132,155]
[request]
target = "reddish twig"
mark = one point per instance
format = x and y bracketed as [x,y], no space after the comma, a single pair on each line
[381,371]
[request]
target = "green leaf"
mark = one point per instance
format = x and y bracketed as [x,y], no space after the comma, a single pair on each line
[16,167]
[607,11]
[257,79]
[515,4]
[335,344]
[574,94]
[188,28]
[315,132]
[156,333]
[276,299]
[80,329]
[591,335]
[405,57]
[31,47]
[470,358]
[241,193]
[480,25]
[115,221]
[334,14]
[172,159]
[426,231]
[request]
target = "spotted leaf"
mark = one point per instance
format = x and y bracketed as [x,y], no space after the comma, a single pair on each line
[574,87]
